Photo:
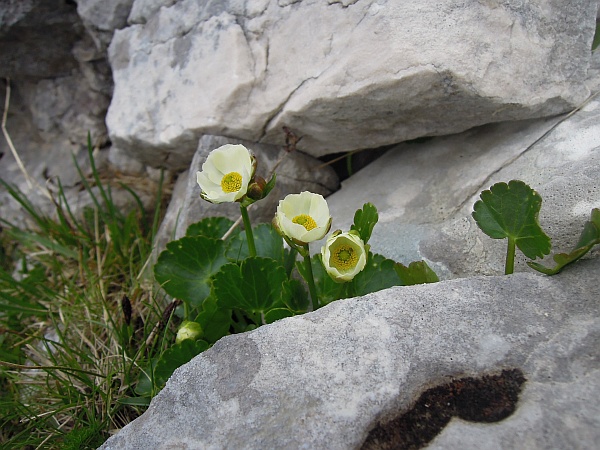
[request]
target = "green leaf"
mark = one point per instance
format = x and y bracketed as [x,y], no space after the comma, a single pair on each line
[269,186]
[185,268]
[297,301]
[365,220]
[255,286]
[590,237]
[417,272]
[31,239]
[277,314]
[175,357]
[145,384]
[269,244]
[327,289]
[134,401]
[511,211]
[212,227]
[596,40]
[215,322]
[378,274]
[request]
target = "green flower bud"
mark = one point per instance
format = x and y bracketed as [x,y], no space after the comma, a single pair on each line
[256,188]
[188,330]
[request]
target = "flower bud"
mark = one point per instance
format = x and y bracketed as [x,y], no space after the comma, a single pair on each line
[256,188]
[188,330]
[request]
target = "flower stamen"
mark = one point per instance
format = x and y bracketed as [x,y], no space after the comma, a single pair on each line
[232,182]
[344,258]
[306,221]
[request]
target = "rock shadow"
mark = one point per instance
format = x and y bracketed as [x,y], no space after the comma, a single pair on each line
[490,398]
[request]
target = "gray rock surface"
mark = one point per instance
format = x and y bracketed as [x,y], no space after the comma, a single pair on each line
[344,74]
[142,10]
[105,15]
[425,191]
[323,380]
[25,47]
[61,84]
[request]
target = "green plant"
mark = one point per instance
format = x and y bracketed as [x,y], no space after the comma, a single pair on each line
[76,324]
[590,236]
[511,211]
[231,281]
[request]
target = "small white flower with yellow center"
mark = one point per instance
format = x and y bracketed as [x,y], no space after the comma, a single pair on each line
[226,174]
[344,255]
[303,217]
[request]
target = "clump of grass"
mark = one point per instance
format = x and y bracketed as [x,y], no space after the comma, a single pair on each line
[76,323]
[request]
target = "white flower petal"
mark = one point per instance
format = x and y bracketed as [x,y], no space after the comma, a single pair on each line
[212,173]
[220,162]
[305,203]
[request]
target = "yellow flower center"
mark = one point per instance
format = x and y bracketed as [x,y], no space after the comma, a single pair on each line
[344,258]
[232,182]
[306,221]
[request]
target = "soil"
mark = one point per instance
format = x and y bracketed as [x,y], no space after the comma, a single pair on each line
[490,398]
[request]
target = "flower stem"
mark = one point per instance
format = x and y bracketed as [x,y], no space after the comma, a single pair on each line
[311,280]
[510,257]
[248,228]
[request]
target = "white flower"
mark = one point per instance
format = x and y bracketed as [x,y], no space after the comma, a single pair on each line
[226,173]
[344,255]
[303,217]
[188,330]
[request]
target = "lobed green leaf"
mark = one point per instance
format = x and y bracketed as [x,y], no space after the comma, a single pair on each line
[186,267]
[212,227]
[590,237]
[378,274]
[417,272]
[254,286]
[268,243]
[176,356]
[511,211]
[365,220]
[215,321]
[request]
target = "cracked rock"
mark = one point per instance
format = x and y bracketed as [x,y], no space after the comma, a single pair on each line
[344,74]
[425,191]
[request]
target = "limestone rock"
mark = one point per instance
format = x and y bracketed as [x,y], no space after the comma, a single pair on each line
[142,10]
[344,74]
[102,17]
[105,15]
[425,191]
[325,379]
[25,47]
[60,89]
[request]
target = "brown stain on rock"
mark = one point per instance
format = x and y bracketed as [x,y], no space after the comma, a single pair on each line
[490,398]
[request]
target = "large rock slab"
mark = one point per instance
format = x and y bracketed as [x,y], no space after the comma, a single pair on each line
[325,379]
[425,191]
[344,74]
